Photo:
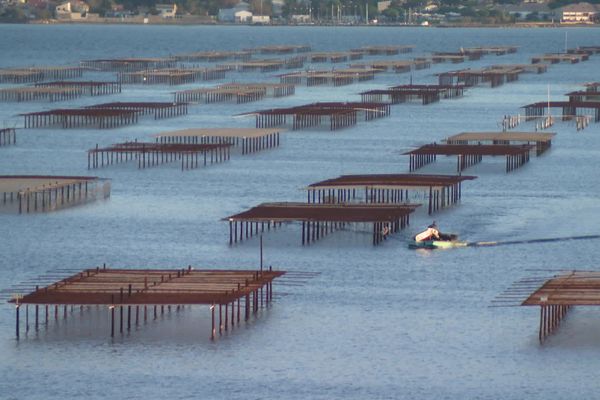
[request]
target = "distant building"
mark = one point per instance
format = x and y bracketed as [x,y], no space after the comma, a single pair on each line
[431,7]
[525,10]
[72,10]
[242,17]
[300,19]
[119,11]
[167,10]
[229,14]
[260,19]
[580,13]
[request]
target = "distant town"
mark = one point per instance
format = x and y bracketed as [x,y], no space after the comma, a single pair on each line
[305,12]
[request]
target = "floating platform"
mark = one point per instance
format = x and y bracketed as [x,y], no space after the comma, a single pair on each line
[570,109]
[38,74]
[42,193]
[497,50]
[470,154]
[8,136]
[281,49]
[584,95]
[268,65]
[495,76]
[214,56]
[249,140]
[172,76]
[152,154]
[384,50]
[398,66]
[338,77]
[427,94]
[339,115]
[318,220]
[441,190]
[555,295]
[335,56]
[89,88]
[542,141]
[158,110]
[585,49]
[129,64]
[560,57]
[236,92]
[77,117]
[139,292]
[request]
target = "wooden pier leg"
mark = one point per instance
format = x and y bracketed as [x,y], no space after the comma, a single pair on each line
[541,332]
[212,334]
[247,310]
[17,320]
[220,320]
[36,317]
[112,321]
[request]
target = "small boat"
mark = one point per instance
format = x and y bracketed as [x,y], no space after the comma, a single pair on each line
[436,244]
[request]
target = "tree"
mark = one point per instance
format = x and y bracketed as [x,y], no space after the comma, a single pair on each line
[100,6]
[261,7]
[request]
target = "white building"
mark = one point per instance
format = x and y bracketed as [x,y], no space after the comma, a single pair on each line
[261,19]
[72,10]
[167,10]
[229,14]
[300,18]
[243,17]
[580,13]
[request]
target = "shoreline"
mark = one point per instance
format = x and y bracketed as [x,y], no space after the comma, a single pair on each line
[210,22]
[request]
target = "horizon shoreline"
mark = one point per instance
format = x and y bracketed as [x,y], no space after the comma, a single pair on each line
[204,21]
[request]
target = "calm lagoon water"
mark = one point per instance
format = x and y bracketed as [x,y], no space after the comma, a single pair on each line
[379,322]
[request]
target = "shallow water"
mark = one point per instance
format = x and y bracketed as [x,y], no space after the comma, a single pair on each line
[379,322]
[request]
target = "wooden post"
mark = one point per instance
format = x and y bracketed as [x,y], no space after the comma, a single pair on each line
[17,320]
[212,335]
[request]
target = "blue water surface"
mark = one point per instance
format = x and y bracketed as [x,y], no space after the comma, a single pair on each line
[380,322]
